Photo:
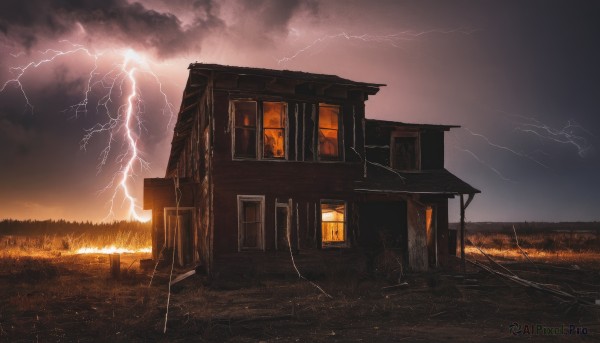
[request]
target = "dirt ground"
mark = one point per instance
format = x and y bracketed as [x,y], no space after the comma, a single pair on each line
[71,298]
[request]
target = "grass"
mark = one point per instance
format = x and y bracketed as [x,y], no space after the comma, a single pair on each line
[571,247]
[48,293]
[69,243]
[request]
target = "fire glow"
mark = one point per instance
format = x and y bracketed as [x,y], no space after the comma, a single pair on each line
[112,250]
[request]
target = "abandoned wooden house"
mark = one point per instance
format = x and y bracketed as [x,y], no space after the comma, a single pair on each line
[264,161]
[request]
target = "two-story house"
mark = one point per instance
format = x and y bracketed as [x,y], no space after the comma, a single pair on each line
[269,160]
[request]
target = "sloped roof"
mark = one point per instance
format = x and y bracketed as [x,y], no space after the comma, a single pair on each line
[371,88]
[383,179]
[388,123]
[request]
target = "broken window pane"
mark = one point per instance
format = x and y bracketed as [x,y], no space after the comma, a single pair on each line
[245,129]
[405,153]
[333,222]
[329,131]
[274,129]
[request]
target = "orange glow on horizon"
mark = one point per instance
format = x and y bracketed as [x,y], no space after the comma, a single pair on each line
[112,250]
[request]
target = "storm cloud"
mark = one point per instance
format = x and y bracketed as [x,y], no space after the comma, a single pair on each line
[28,22]
[524,75]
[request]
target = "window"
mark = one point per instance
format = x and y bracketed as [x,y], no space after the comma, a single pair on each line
[250,222]
[405,152]
[282,226]
[245,129]
[329,132]
[333,222]
[274,114]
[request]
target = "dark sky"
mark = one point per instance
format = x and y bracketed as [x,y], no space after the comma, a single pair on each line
[522,78]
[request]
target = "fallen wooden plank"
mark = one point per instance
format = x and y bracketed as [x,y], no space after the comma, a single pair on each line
[183,276]
[395,286]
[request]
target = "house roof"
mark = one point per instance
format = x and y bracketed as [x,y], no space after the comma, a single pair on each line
[383,179]
[370,88]
[388,123]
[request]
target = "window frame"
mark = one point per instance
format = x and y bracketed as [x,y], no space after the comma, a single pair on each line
[262,131]
[234,127]
[406,134]
[261,232]
[260,145]
[334,244]
[288,206]
[340,132]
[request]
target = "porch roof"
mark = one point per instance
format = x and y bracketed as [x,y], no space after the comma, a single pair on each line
[383,179]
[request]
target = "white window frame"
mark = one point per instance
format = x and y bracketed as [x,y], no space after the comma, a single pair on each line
[261,231]
[346,242]
[288,206]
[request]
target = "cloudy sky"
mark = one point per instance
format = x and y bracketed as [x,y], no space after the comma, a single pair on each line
[522,78]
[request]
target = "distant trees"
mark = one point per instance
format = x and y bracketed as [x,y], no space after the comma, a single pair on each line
[61,227]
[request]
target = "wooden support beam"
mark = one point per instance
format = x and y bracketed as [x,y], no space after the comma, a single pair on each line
[463,207]
[462,234]
[115,265]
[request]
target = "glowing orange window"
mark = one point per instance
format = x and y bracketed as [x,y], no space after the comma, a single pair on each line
[274,114]
[329,127]
[333,222]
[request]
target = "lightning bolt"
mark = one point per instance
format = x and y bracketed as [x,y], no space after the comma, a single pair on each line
[19,71]
[520,154]
[570,134]
[121,81]
[496,171]
[393,40]
[566,135]
[458,146]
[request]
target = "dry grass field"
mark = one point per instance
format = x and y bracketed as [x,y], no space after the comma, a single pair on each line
[50,293]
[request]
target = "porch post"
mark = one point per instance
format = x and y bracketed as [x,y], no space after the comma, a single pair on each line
[462,234]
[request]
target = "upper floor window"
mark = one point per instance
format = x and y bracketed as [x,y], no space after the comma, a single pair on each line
[329,127]
[245,123]
[274,114]
[405,151]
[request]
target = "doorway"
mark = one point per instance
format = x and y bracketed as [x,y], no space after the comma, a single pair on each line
[383,228]
[431,232]
[179,234]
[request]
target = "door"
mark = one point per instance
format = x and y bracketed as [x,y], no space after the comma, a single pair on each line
[180,235]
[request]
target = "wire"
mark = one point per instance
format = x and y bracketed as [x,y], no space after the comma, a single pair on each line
[177,199]
[296,268]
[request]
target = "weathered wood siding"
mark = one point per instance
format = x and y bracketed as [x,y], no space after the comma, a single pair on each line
[301,178]
[417,240]
[432,149]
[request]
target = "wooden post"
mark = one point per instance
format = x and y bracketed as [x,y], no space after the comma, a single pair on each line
[462,234]
[115,265]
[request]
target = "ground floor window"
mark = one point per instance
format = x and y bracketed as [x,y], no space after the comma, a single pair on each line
[251,215]
[333,223]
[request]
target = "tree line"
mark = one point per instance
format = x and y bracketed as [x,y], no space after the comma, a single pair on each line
[61,227]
